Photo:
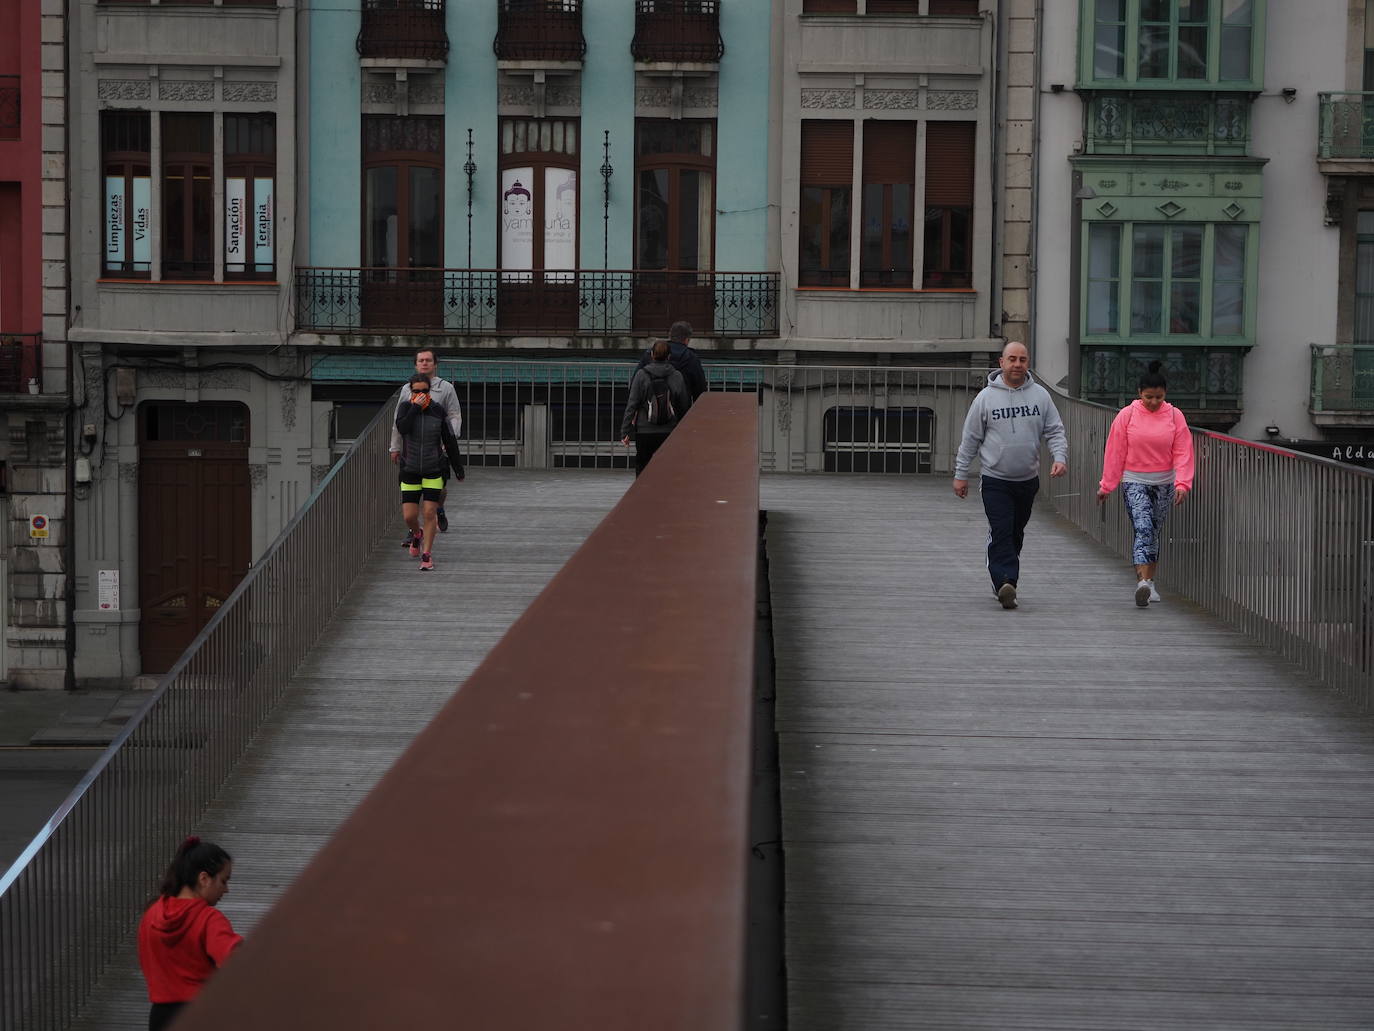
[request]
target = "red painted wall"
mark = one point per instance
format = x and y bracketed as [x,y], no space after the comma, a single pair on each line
[21,163]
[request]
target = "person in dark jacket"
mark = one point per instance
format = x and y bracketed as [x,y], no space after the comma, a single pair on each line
[647,386]
[427,441]
[683,358]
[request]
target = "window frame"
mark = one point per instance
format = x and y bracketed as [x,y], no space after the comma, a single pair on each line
[1216,28]
[403,161]
[195,189]
[128,163]
[1126,281]
[539,161]
[826,276]
[251,166]
[675,163]
[890,268]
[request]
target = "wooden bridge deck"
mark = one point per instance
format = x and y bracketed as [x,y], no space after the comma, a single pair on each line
[1077,814]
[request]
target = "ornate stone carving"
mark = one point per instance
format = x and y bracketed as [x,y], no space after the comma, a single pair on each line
[128,474]
[653,96]
[783,405]
[288,404]
[563,96]
[892,99]
[181,89]
[952,100]
[431,92]
[224,379]
[702,96]
[250,92]
[318,473]
[516,95]
[124,89]
[169,378]
[827,99]
[257,475]
[379,92]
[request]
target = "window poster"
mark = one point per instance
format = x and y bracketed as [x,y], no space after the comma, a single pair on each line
[115,223]
[263,219]
[235,246]
[517,220]
[560,221]
[142,223]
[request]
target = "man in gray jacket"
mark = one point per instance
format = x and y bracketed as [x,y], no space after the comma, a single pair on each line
[441,390]
[1004,427]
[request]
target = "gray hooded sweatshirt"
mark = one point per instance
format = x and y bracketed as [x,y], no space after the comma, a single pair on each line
[1004,427]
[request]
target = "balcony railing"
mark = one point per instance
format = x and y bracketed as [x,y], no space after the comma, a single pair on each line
[9,107]
[1343,378]
[404,29]
[489,302]
[21,363]
[1200,378]
[1142,123]
[677,30]
[539,30]
[1346,125]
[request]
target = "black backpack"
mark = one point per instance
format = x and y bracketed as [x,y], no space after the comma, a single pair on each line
[659,407]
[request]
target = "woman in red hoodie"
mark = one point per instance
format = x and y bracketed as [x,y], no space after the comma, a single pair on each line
[182,937]
[1150,453]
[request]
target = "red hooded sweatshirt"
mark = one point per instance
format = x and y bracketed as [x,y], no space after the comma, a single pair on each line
[180,943]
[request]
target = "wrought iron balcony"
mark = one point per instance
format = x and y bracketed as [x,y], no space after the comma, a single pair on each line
[21,363]
[404,30]
[1343,378]
[677,30]
[1346,126]
[490,302]
[9,107]
[539,30]
[1201,379]
[1168,123]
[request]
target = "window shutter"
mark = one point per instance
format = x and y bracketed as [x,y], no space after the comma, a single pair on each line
[827,157]
[889,152]
[949,164]
[965,8]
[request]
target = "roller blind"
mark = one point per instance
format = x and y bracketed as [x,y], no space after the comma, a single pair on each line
[949,164]
[827,157]
[889,152]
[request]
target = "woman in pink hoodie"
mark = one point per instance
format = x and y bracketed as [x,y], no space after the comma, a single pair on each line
[1150,453]
[183,938]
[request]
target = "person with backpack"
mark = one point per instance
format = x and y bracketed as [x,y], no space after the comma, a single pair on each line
[1150,453]
[659,398]
[682,357]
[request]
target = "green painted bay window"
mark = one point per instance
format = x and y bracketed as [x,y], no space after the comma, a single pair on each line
[1171,44]
[1166,282]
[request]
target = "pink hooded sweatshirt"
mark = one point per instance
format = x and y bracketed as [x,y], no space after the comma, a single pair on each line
[1148,442]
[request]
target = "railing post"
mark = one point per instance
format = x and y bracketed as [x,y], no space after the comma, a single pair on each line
[534,437]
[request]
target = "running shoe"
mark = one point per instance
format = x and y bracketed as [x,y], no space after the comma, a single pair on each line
[443,521]
[1006,594]
[415,546]
[426,563]
[410,538]
[1142,594]
[1154,594]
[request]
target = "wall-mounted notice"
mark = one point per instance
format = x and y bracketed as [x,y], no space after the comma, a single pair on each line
[107,582]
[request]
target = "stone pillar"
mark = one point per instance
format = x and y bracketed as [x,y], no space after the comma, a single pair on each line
[1017,202]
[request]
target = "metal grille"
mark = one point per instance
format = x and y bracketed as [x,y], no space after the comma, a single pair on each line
[540,30]
[677,30]
[402,29]
[69,901]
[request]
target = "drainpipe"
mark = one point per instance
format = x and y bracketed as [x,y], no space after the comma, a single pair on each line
[72,417]
[996,308]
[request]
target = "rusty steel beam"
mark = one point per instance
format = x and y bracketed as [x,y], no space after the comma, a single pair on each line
[565,845]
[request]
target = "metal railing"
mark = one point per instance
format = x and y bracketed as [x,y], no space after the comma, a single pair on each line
[1206,123]
[1278,544]
[539,30]
[412,29]
[538,414]
[490,302]
[9,107]
[677,30]
[1343,378]
[1345,127]
[21,363]
[68,903]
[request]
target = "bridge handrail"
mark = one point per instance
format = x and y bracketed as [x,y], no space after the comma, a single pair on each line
[69,901]
[566,843]
[1277,543]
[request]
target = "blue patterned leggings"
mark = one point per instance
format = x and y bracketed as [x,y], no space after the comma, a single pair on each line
[1147,504]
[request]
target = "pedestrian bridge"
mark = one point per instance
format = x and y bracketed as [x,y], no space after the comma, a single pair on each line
[1078,814]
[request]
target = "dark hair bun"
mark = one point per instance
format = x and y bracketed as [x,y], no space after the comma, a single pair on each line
[1156,366]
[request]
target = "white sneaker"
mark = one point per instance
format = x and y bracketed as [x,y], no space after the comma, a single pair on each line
[1154,595]
[1142,594]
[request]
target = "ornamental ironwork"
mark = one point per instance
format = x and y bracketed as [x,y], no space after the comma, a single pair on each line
[1346,125]
[1199,377]
[403,29]
[1120,123]
[494,302]
[539,30]
[677,30]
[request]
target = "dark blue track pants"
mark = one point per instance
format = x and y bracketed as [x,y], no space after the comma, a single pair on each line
[1008,506]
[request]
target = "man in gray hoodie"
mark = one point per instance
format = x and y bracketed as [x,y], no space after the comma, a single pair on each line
[1004,427]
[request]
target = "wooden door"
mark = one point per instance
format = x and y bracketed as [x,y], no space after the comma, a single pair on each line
[195,531]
